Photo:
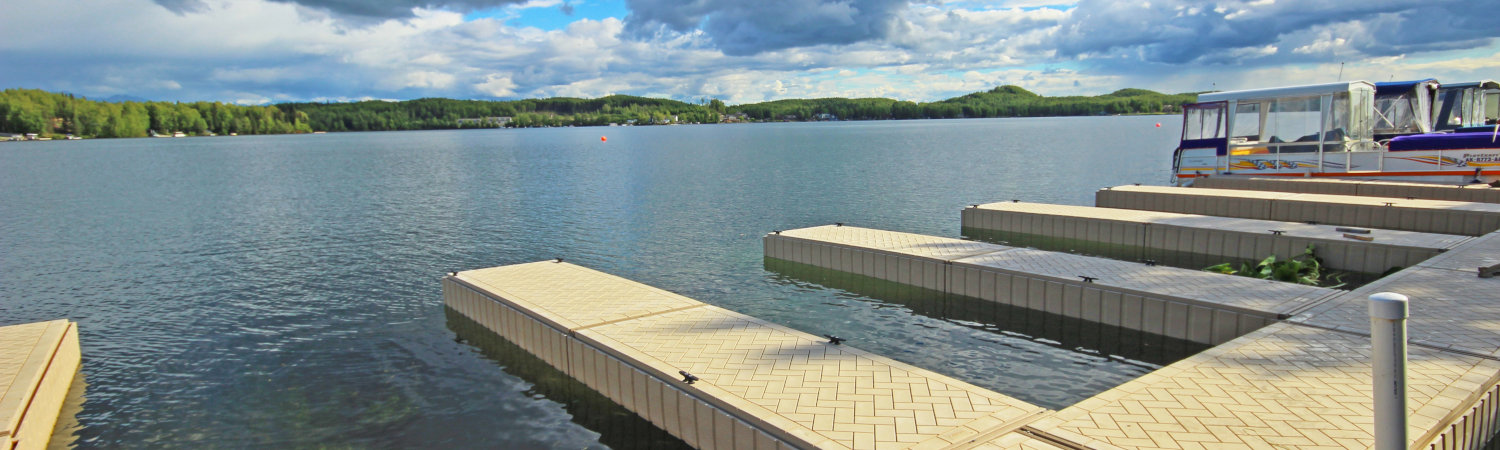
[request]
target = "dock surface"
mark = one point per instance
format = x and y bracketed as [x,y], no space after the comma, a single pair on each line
[1139,235]
[1302,382]
[759,385]
[1473,192]
[37,364]
[1425,216]
[1186,304]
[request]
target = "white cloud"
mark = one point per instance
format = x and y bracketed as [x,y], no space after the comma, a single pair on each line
[260,51]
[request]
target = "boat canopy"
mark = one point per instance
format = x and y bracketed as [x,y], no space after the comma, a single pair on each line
[1469,104]
[1333,117]
[1400,87]
[1403,107]
[1311,90]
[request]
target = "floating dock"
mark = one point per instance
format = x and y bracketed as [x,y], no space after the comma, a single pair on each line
[1185,304]
[38,362]
[1476,192]
[1425,216]
[1152,235]
[755,384]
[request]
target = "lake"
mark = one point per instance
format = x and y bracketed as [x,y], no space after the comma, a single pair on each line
[283,290]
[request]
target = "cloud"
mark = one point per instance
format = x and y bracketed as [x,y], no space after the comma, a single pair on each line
[1240,32]
[365,9]
[741,27]
[261,51]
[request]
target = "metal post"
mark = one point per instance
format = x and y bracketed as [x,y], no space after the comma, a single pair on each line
[1388,312]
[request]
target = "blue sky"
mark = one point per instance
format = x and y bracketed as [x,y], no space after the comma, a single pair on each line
[264,51]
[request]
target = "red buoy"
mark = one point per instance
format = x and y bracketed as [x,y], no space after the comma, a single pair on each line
[603,139]
[1158,124]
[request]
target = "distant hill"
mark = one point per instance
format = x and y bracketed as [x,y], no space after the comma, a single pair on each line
[35,111]
[1002,101]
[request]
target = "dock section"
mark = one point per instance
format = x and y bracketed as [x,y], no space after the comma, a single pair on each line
[1285,386]
[1186,304]
[1425,216]
[1475,192]
[755,384]
[1161,236]
[38,362]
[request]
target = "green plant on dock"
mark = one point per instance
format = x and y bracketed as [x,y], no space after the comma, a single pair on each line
[1306,268]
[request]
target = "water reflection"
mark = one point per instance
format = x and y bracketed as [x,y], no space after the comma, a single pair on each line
[1123,345]
[617,427]
[65,431]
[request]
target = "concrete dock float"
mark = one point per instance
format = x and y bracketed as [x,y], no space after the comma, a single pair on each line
[38,362]
[1304,382]
[1185,304]
[755,384]
[1474,192]
[1138,235]
[1425,216]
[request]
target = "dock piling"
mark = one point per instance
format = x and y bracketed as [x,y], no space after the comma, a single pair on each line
[1388,313]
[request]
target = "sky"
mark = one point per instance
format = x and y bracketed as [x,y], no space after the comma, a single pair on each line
[738,51]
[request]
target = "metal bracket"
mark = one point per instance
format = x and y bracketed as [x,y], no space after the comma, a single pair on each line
[1088,279]
[835,340]
[1277,232]
[559,259]
[687,377]
[1150,262]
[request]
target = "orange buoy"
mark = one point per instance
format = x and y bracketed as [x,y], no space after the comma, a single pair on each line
[604,139]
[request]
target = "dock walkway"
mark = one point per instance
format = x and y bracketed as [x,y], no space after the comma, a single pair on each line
[37,364]
[1475,192]
[1141,235]
[758,385]
[1185,304]
[1425,216]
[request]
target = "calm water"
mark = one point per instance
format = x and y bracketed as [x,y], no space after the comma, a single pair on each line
[283,290]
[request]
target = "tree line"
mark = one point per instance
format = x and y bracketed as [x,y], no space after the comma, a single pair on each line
[36,111]
[49,113]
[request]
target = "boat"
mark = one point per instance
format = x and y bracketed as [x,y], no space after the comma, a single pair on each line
[1331,130]
[1404,108]
[1466,107]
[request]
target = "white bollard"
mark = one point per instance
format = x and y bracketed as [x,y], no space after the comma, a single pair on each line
[1388,312]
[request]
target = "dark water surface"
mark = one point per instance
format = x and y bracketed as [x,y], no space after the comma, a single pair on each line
[283,290]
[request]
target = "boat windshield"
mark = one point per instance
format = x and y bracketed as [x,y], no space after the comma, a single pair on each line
[1203,121]
[1465,105]
[1404,107]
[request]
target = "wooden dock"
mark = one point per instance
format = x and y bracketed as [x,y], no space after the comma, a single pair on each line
[1475,192]
[1161,236]
[756,384]
[1425,216]
[38,362]
[1185,304]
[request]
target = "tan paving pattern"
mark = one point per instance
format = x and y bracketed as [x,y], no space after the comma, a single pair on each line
[1449,309]
[798,382]
[1284,386]
[849,396]
[1481,251]
[1089,212]
[575,297]
[1315,198]
[897,242]
[1212,288]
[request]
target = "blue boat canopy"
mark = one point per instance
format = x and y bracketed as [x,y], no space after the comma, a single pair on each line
[1398,87]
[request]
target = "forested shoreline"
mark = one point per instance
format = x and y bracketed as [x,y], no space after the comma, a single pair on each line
[53,114]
